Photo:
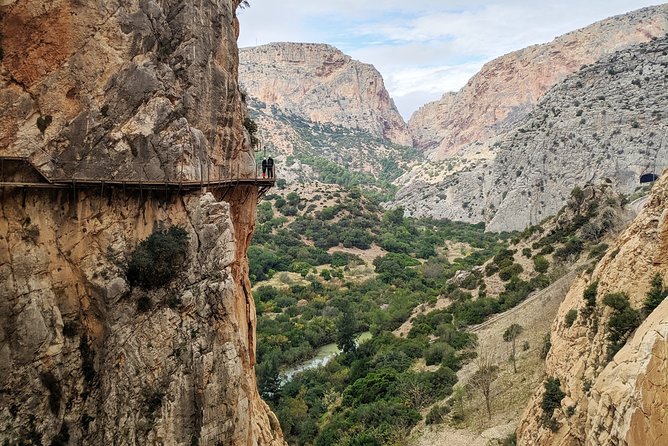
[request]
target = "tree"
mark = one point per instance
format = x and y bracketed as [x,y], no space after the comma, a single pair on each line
[346,327]
[268,380]
[483,378]
[510,335]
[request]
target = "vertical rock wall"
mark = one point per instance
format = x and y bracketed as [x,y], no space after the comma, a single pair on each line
[125,90]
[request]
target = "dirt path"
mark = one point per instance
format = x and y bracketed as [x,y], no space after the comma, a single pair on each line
[636,205]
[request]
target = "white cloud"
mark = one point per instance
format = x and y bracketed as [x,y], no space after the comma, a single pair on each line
[426,47]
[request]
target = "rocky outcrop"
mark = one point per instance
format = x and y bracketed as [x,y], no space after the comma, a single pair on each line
[605,123]
[321,84]
[127,90]
[137,90]
[507,88]
[623,401]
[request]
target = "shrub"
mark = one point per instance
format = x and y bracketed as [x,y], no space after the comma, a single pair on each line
[570,317]
[437,414]
[571,250]
[551,400]
[540,264]
[655,295]
[526,252]
[623,321]
[547,345]
[589,296]
[251,126]
[506,273]
[158,259]
[491,268]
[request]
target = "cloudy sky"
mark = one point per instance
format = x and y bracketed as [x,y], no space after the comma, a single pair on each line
[423,48]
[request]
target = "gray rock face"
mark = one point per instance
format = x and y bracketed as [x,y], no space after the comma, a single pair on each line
[606,122]
[507,88]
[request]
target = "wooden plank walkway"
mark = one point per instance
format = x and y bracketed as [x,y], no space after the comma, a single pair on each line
[41,181]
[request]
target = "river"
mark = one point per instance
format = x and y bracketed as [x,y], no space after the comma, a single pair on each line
[322,356]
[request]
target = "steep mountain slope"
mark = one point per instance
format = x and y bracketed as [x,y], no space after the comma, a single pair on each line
[507,88]
[606,122]
[611,398]
[323,115]
[321,84]
[90,354]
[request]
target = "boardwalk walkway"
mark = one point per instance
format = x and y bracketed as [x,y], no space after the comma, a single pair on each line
[18,172]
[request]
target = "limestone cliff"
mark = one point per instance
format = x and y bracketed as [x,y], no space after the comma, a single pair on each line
[134,90]
[321,84]
[507,88]
[606,121]
[623,401]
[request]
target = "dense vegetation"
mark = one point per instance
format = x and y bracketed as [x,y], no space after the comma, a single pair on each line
[312,289]
[156,260]
[371,392]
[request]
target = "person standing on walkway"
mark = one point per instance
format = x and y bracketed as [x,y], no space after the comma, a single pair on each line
[270,167]
[264,168]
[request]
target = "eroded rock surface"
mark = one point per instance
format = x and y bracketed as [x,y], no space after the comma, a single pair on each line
[320,83]
[122,89]
[623,401]
[605,123]
[132,90]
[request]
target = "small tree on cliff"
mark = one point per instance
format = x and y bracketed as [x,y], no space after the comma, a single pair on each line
[483,378]
[510,335]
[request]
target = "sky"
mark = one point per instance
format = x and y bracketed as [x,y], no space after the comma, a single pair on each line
[423,48]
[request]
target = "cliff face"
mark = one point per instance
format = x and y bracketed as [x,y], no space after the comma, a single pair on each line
[623,401]
[321,84]
[507,88]
[130,91]
[606,121]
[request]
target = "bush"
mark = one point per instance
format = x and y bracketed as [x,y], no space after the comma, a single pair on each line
[508,272]
[655,295]
[547,345]
[623,321]
[551,399]
[540,264]
[570,251]
[570,317]
[158,259]
[437,414]
[589,296]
